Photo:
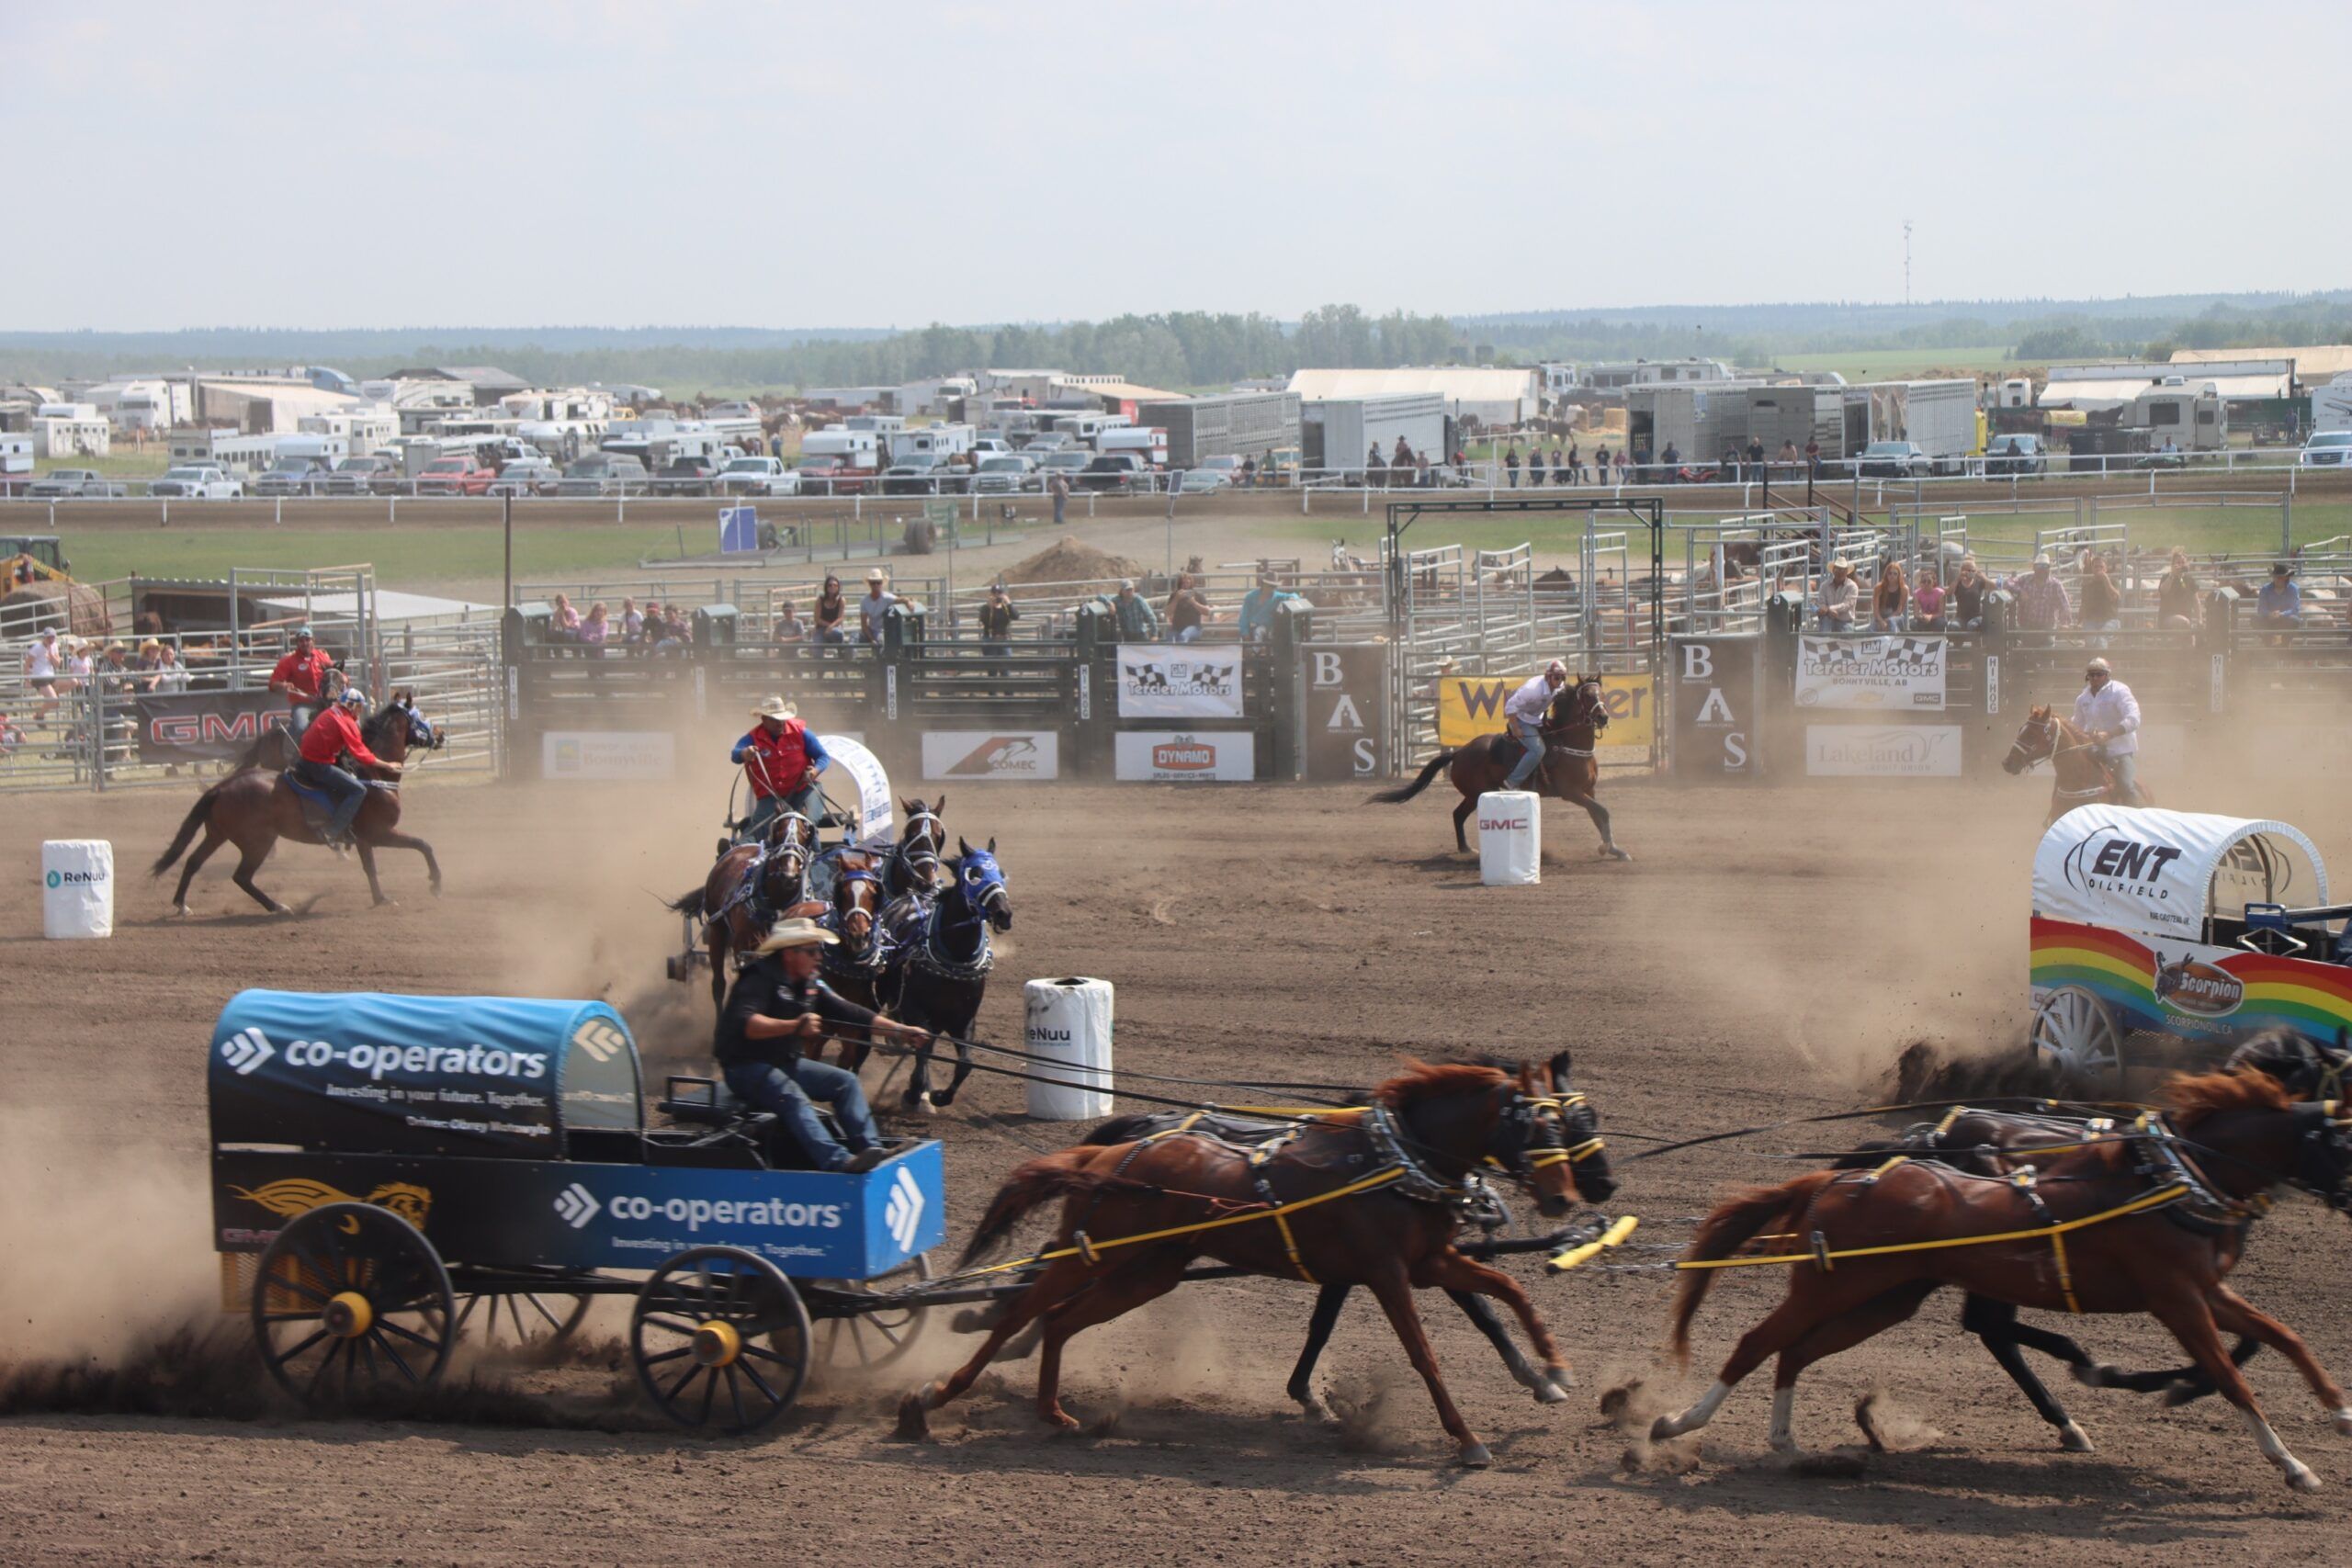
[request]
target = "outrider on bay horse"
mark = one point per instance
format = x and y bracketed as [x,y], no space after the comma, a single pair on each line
[1572,726]
[254,810]
[2080,776]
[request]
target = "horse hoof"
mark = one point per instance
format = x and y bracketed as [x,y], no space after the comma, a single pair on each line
[1549,1392]
[2300,1477]
[388,903]
[2181,1394]
[2072,1438]
[1663,1429]
[2094,1376]
[2342,1419]
[1612,852]
[914,1425]
[179,912]
[1475,1456]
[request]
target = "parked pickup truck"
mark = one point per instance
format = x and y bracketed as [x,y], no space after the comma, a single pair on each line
[833,476]
[198,482]
[454,476]
[75,484]
[758,476]
[293,476]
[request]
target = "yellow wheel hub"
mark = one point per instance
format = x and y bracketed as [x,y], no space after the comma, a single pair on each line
[348,1316]
[718,1345]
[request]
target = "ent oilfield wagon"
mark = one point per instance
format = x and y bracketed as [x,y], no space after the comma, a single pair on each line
[393,1173]
[2169,937]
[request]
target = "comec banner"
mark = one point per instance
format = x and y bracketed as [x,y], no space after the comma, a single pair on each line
[209,726]
[1183,681]
[1027,754]
[1879,672]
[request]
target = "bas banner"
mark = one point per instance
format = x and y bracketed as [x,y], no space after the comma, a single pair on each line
[1346,710]
[208,727]
[1715,706]
[1471,706]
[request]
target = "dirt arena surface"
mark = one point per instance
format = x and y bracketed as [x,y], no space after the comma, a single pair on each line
[1765,956]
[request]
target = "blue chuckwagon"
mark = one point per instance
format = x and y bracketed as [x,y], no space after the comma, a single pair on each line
[392,1173]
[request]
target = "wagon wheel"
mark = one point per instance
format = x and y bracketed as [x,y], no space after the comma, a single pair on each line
[720,1338]
[864,1338]
[350,1301]
[2075,1034]
[534,1322]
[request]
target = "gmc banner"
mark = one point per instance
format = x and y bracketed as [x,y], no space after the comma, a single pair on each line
[210,727]
[1346,710]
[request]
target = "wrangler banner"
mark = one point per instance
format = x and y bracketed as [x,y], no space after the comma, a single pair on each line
[1472,706]
[210,727]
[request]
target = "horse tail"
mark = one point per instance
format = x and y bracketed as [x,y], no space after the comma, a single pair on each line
[1030,1184]
[687,903]
[1430,770]
[188,824]
[1733,1224]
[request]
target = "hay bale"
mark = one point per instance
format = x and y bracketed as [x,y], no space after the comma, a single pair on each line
[73,607]
[1066,560]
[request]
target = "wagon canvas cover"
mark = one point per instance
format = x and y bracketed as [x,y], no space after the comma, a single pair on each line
[2154,872]
[367,1072]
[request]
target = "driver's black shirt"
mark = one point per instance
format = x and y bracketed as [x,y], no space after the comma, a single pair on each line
[763,989]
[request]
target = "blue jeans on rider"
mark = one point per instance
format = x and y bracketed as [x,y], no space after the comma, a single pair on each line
[808,802]
[789,1093]
[1533,739]
[347,794]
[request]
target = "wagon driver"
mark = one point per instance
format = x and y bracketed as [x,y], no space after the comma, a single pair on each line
[783,760]
[1523,714]
[778,1006]
[2110,714]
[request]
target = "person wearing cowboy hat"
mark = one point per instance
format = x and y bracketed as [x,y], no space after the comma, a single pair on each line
[2280,603]
[2109,712]
[1523,714]
[876,606]
[782,756]
[1258,607]
[1840,598]
[301,676]
[778,1008]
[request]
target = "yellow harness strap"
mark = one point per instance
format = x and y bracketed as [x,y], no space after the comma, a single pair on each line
[1564,1261]
[1282,1220]
[1092,1250]
[2145,1201]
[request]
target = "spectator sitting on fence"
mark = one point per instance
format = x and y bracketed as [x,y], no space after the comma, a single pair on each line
[2102,601]
[1788,457]
[632,623]
[1889,599]
[829,610]
[1968,590]
[2280,603]
[1138,622]
[1812,458]
[1927,601]
[595,629]
[665,630]
[115,671]
[167,674]
[2042,605]
[42,663]
[791,631]
[2179,608]
[1187,610]
[10,737]
[564,621]
[875,607]
[80,668]
[1258,609]
[1839,598]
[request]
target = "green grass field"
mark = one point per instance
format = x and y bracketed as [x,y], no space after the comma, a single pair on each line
[421,559]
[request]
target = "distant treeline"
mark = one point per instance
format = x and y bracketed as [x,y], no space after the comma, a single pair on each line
[1194,349]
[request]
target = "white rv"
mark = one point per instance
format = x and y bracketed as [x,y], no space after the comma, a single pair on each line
[937,441]
[2332,404]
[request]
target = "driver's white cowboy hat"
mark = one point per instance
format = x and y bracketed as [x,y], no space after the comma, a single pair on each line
[795,934]
[775,707]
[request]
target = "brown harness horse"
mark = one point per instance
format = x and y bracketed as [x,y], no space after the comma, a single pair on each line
[1572,724]
[2148,1221]
[255,810]
[1355,1198]
[2078,775]
[773,874]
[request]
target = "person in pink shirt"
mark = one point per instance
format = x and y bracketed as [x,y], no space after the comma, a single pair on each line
[1927,601]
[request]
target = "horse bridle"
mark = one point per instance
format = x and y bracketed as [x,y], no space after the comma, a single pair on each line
[1591,710]
[927,858]
[843,882]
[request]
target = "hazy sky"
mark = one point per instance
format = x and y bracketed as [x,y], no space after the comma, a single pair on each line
[863,164]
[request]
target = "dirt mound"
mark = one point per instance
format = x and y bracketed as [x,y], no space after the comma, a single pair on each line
[1066,560]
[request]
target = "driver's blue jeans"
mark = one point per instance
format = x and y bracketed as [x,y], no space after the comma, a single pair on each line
[347,792]
[789,1093]
[1532,759]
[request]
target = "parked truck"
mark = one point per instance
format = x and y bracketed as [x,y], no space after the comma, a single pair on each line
[1700,422]
[1938,417]
[936,441]
[2332,404]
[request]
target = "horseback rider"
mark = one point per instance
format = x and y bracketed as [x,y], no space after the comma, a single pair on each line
[301,676]
[777,1006]
[783,758]
[2109,712]
[1523,715]
[334,732]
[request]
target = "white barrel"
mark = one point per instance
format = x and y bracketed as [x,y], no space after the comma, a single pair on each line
[1510,837]
[77,888]
[1069,1027]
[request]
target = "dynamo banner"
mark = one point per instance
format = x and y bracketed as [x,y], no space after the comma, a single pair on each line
[1872,673]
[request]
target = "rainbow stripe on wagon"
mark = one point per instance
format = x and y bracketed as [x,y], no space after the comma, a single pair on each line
[2307,995]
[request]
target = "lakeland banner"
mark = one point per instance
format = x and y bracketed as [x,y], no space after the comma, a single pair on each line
[1904,674]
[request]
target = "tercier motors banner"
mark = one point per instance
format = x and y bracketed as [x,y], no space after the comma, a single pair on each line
[1880,672]
[1185,680]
